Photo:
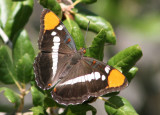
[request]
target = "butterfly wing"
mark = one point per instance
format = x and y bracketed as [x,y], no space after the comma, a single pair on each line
[56,46]
[89,77]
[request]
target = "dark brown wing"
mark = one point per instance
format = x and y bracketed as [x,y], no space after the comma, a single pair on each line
[51,27]
[56,46]
[87,78]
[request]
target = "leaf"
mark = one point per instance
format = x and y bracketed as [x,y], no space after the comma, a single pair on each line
[21,46]
[38,110]
[131,73]
[88,1]
[49,102]
[75,32]
[97,47]
[7,72]
[20,12]
[79,109]
[37,96]
[96,25]
[117,105]
[5,6]
[24,69]
[11,96]
[126,58]
[52,5]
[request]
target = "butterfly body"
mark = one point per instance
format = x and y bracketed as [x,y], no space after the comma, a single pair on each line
[74,77]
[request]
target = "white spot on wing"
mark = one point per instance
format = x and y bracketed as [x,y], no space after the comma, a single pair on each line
[56,39]
[55,48]
[97,75]
[60,27]
[88,77]
[92,75]
[107,69]
[103,77]
[83,78]
[53,33]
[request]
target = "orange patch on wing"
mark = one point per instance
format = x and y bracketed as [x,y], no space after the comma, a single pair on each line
[54,89]
[115,79]
[84,51]
[49,84]
[94,62]
[50,21]
[69,39]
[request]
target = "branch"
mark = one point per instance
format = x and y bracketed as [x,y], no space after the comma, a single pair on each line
[5,38]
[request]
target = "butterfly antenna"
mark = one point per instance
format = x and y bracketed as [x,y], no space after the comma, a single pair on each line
[86,33]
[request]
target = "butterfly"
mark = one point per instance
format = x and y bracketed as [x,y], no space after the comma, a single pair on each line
[59,65]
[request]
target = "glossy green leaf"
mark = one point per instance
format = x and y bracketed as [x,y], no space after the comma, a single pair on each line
[37,96]
[88,1]
[119,106]
[21,46]
[97,47]
[52,5]
[18,17]
[5,8]
[75,32]
[79,109]
[38,110]
[7,72]
[96,25]
[24,68]
[11,95]
[49,102]
[131,73]
[126,58]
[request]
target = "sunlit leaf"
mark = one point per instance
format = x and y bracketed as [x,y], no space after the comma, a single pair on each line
[37,96]
[6,67]
[126,59]
[119,106]
[97,23]
[18,16]
[52,5]
[11,95]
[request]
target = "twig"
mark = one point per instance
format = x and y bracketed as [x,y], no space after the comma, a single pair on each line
[5,38]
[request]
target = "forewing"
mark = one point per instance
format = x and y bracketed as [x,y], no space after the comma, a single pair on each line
[52,31]
[56,47]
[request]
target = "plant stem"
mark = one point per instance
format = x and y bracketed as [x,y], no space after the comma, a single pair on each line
[5,38]
[76,2]
[22,94]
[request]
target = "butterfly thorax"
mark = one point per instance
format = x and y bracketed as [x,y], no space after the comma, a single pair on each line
[77,56]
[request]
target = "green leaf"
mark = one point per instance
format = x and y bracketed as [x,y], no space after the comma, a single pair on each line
[11,96]
[49,102]
[126,58]
[131,73]
[5,6]
[21,46]
[38,110]
[20,12]
[88,1]
[52,5]
[24,69]
[7,72]
[119,106]
[96,25]
[97,47]
[79,109]
[75,32]
[37,96]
